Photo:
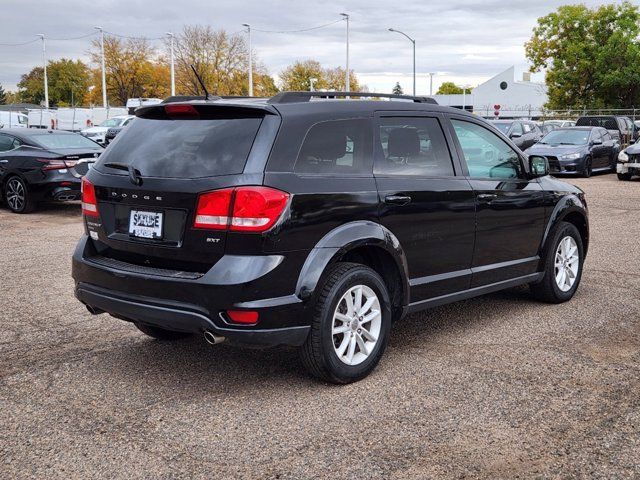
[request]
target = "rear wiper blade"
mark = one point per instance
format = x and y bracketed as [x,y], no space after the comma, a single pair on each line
[134,174]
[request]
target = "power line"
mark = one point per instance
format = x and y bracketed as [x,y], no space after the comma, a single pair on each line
[19,44]
[300,30]
[71,38]
[133,38]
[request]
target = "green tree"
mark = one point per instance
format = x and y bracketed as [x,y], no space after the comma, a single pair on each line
[397,89]
[3,96]
[68,82]
[450,88]
[31,86]
[591,56]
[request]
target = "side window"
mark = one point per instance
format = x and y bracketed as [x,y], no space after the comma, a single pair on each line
[517,128]
[487,156]
[606,136]
[6,143]
[127,122]
[412,146]
[336,147]
[595,136]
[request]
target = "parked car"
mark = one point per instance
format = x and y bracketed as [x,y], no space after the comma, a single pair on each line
[113,131]
[578,150]
[628,163]
[522,133]
[98,134]
[316,224]
[11,119]
[560,123]
[37,165]
[617,126]
[548,128]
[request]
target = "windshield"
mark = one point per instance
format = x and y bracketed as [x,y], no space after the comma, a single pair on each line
[112,122]
[567,137]
[184,148]
[53,141]
[503,127]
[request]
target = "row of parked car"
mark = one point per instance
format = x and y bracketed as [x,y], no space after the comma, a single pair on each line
[590,144]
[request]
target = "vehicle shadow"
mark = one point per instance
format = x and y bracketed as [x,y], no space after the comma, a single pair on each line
[202,368]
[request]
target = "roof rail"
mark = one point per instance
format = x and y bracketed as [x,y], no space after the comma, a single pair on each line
[297,97]
[189,98]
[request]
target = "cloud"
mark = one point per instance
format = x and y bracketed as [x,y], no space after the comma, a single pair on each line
[471,39]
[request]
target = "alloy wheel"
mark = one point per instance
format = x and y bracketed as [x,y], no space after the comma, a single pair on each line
[567,263]
[15,194]
[356,325]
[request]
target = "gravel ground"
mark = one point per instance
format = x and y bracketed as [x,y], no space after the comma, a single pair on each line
[495,387]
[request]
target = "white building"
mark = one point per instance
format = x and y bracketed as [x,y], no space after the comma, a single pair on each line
[516,98]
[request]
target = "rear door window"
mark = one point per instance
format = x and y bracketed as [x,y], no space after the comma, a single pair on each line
[6,143]
[412,146]
[184,148]
[336,147]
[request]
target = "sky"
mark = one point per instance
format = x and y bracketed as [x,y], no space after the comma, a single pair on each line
[464,41]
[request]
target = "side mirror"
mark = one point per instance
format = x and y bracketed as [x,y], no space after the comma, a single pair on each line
[538,166]
[597,142]
[515,135]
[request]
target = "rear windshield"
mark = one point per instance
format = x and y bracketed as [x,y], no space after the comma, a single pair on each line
[53,141]
[183,148]
[607,122]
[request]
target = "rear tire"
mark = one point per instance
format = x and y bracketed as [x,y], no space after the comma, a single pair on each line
[347,338]
[161,333]
[17,196]
[564,255]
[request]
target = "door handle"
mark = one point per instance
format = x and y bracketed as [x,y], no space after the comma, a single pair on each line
[397,199]
[487,196]
[4,161]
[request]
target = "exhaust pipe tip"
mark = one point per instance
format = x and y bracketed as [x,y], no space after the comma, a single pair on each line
[94,310]
[212,338]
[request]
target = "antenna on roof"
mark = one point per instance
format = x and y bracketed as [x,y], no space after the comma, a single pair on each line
[206,93]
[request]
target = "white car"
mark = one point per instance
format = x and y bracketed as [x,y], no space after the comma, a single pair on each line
[11,119]
[97,133]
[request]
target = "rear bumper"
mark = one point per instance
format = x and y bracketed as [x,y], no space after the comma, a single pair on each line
[192,304]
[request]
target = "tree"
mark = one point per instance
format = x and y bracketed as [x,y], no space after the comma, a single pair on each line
[31,86]
[297,77]
[591,56]
[3,96]
[68,82]
[450,88]
[130,70]
[397,89]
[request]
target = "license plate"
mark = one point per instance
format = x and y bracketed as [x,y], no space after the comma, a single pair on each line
[145,224]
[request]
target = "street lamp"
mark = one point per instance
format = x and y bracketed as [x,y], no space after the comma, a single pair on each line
[173,71]
[431,74]
[44,64]
[346,76]
[414,56]
[104,76]
[464,96]
[250,60]
[311,82]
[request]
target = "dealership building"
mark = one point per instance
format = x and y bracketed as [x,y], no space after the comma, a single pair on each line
[513,98]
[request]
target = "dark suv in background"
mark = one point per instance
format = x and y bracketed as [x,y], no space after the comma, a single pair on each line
[317,222]
[620,128]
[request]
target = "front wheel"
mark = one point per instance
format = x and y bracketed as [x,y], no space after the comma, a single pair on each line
[625,176]
[588,168]
[562,266]
[351,323]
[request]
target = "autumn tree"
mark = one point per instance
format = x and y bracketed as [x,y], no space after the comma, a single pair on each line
[131,70]
[297,77]
[591,56]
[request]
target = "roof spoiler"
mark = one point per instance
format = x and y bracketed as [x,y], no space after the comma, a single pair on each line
[298,97]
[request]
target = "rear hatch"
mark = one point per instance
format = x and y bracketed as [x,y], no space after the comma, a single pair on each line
[147,183]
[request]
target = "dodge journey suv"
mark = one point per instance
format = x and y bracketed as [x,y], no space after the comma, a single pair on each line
[317,222]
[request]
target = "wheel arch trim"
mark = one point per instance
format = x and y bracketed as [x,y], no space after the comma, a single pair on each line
[567,205]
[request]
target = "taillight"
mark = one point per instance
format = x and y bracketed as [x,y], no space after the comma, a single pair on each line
[243,209]
[89,200]
[213,209]
[256,209]
[50,164]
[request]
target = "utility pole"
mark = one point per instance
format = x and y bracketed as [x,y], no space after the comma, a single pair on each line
[311,82]
[431,83]
[173,71]
[414,56]
[346,75]
[104,76]
[250,60]
[44,64]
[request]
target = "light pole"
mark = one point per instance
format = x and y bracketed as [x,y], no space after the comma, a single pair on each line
[104,76]
[431,83]
[173,71]
[464,96]
[44,64]
[414,56]
[311,82]
[346,75]
[250,60]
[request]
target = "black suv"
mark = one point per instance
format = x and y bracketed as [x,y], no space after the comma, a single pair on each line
[316,223]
